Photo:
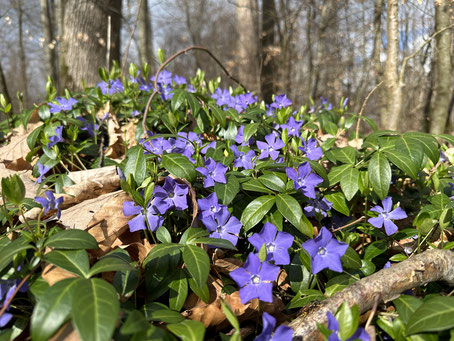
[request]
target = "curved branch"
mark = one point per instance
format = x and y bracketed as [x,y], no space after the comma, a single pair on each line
[387,284]
[183,51]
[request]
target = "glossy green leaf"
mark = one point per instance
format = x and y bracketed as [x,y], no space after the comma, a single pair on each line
[375,249]
[13,188]
[335,174]
[126,282]
[231,317]
[406,305]
[218,114]
[254,185]
[110,263]
[303,297]
[249,130]
[75,261]
[135,322]
[52,309]
[289,208]
[273,182]
[435,314]
[95,309]
[256,210]
[8,251]
[161,250]
[188,330]
[339,202]
[163,235]
[349,182]
[177,99]
[344,155]
[135,164]
[179,165]
[351,259]
[228,191]
[202,292]
[197,262]
[159,312]
[429,143]
[193,103]
[348,319]
[411,147]
[178,291]
[217,242]
[72,239]
[403,162]
[380,174]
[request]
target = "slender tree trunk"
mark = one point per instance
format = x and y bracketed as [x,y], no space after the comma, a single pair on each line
[320,46]
[3,86]
[246,10]
[390,119]
[22,59]
[442,93]
[49,40]
[145,34]
[269,51]
[377,40]
[113,9]
[310,55]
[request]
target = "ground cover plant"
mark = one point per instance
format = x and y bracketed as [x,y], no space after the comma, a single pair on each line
[166,208]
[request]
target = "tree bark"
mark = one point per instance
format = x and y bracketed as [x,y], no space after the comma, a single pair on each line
[3,86]
[390,119]
[84,45]
[145,34]
[246,11]
[377,40]
[269,51]
[48,27]
[442,93]
[113,9]
[22,59]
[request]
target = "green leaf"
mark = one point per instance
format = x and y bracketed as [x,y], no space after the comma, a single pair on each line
[218,114]
[254,185]
[304,297]
[198,263]
[110,262]
[95,309]
[406,305]
[339,202]
[13,188]
[178,292]
[375,249]
[161,55]
[290,209]
[162,250]
[188,330]
[217,242]
[344,155]
[230,315]
[348,319]
[249,130]
[435,314]
[163,235]
[380,174]
[273,182]
[202,292]
[228,191]
[256,210]
[8,251]
[136,164]
[159,312]
[336,173]
[33,137]
[177,99]
[403,162]
[126,282]
[135,322]
[349,182]
[75,261]
[411,147]
[351,259]
[72,239]
[52,309]
[429,143]
[179,165]
[193,103]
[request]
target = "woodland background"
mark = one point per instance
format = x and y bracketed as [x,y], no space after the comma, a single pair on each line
[303,48]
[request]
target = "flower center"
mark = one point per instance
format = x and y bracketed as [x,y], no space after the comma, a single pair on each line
[322,251]
[171,195]
[213,208]
[255,279]
[219,229]
[385,215]
[270,247]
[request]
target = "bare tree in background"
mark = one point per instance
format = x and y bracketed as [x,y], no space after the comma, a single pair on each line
[443,87]
[49,30]
[22,58]
[145,34]
[269,51]
[247,43]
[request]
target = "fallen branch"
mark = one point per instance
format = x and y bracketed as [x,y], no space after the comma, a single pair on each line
[388,284]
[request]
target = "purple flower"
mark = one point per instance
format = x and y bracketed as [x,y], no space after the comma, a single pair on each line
[209,206]
[269,110]
[63,105]
[42,170]
[222,97]
[54,139]
[317,205]
[255,279]
[385,215]
[244,100]
[213,171]
[138,223]
[311,150]
[276,245]
[50,203]
[304,179]
[208,146]
[271,147]
[171,195]
[135,113]
[88,126]
[145,86]
[333,325]
[179,80]
[280,102]
[387,265]
[7,288]
[111,87]
[155,146]
[344,103]
[282,333]
[164,78]
[325,251]
[165,91]
[190,88]
[293,127]
[240,137]
[223,226]
[247,161]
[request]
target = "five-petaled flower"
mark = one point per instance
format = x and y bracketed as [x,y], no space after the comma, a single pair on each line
[54,139]
[42,170]
[242,159]
[138,222]
[50,203]
[271,147]
[333,325]
[304,179]
[171,195]
[293,126]
[281,101]
[111,86]
[282,333]
[325,251]
[222,225]
[312,151]
[255,279]
[209,206]
[385,215]
[276,245]
[317,206]
[63,105]
[213,171]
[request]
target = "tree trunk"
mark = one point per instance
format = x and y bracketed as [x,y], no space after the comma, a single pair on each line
[145,34]
[246,10]
[22,60]
[442,92]
[114,11]
[269,51]
[49,40]
[310,55]
[390,119]
[3,86]
[377,40]
[84,45]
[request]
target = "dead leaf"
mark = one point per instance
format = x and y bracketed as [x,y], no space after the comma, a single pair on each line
[115,148]
[138,251]
[129,131]
[227,265]
[53,274]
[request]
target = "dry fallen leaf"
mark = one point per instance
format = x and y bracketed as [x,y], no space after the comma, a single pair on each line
[53,274]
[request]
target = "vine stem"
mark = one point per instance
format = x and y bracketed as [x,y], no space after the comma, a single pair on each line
[125,58]
[349,224]
[7,303]
[362,110]
[170,59]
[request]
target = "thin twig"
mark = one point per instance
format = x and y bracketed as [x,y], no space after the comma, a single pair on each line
[101,152]
[7,303]
[166,62]
[362,110]
[350,224]
[372,313]
[125,57]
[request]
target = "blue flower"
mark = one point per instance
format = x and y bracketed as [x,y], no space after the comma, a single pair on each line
[54,139]
[138,222]
[242,159]
[63,105]
[111,87]
[171,195]
[312,151]
[333,325]
[304,179]
[293,127]
[50,203]
[385,215]
[271,147]
[317,205]
[212,172]
[280,102]
[222,225]
[282,333]
[42,170]
[209,206]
